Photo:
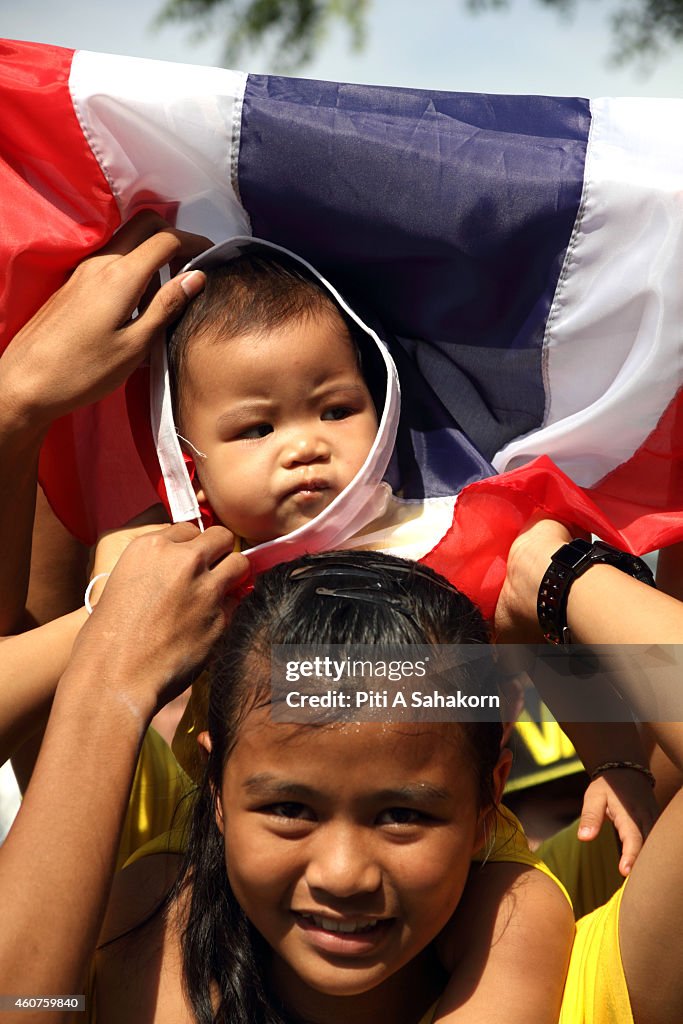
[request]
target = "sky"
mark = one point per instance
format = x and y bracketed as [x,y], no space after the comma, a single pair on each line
[526,49]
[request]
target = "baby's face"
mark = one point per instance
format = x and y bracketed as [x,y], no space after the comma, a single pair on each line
[285,420]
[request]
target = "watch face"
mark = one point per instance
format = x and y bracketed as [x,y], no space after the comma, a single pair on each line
[572,554]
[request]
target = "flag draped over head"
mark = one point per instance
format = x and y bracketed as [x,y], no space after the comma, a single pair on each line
[521,255]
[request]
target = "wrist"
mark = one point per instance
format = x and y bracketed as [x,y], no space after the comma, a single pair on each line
[527,564]
[24,419]
[568,565]
[107,684]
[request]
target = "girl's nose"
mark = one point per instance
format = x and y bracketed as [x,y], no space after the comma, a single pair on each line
[342,867]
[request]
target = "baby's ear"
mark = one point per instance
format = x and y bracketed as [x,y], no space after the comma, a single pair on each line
[196,482]
[208,517]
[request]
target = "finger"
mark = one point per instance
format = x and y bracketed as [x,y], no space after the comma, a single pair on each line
[214,543]
[631,844]
[179,533]
[592,816]
[153,286]
[167,306]
[169,244]
[230,573]
[135,231]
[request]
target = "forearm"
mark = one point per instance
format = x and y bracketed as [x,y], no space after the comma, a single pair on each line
[57,862]
[606,607]
[597,742]
[21,436]
[32,664]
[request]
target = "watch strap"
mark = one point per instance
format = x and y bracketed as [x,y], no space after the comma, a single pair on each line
[569,563]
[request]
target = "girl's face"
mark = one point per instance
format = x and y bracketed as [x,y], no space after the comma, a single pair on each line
[348,846]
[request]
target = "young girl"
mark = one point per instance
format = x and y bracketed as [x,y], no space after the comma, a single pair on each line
[326,860]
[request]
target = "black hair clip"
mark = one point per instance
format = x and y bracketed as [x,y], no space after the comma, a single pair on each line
[372,595]
[378,571]
[371,581]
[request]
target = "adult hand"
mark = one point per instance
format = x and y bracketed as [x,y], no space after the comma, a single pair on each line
[529,557]
[160,614]
[82,344]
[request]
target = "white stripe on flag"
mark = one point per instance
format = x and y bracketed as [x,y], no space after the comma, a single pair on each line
[168,132]
[613,343]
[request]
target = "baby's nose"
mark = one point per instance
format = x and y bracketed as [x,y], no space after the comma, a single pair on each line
[306,449]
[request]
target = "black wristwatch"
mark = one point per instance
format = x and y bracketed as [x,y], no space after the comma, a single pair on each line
[567,564]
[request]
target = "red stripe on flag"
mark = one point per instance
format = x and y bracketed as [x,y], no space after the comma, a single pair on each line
[57,208]
[56,204]
[489,515]
[643,497]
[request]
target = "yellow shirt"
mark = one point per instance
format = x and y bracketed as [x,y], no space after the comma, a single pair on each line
[595,991]
[589,871]
[159,797]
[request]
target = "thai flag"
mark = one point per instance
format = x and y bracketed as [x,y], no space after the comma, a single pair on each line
[524,255]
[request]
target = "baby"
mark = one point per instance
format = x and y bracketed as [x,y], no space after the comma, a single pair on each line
[269,396]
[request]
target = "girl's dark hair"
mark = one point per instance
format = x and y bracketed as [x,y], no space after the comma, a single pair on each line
[221,949]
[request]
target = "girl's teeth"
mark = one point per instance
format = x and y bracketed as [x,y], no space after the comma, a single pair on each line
[331,925]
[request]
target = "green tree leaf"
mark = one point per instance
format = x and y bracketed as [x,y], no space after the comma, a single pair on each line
[292,29]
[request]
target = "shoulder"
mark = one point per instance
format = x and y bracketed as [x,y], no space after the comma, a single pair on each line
[138,966]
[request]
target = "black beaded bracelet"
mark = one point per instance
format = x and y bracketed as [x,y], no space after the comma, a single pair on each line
[567,564]
[609,766]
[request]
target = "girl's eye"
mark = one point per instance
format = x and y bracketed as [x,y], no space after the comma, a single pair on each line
[291,811]
[338,412]
[401,816]
[259,430]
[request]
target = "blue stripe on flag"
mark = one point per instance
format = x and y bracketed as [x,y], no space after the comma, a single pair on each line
[447,215]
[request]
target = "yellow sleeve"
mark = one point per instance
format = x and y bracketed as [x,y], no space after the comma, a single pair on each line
[590,871]
[158,796]
[510,846]
[596,991]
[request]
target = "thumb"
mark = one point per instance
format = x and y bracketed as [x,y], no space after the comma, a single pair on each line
[169,302]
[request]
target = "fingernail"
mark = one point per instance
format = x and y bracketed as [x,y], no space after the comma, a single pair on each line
[585,832]
[192,283]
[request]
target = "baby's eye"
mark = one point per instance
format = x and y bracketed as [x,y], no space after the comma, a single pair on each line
[338,412]
[290,810]
[258,430]
[401,816]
